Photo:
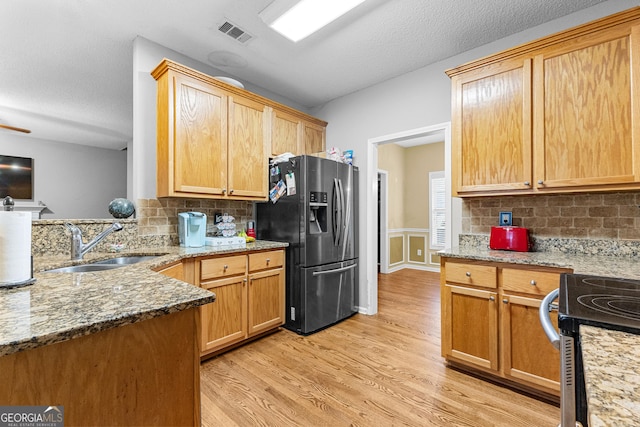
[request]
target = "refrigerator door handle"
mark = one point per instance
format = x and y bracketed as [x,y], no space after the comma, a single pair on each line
[337,213]
[337,270]
[342,214]
[346,204]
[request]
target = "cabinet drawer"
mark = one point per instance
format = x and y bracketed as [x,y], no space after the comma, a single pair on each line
[264,260]
[532,282]
[471,274]
[216,268]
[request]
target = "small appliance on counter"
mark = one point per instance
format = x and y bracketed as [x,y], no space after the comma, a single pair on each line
[192,229]
[510,239]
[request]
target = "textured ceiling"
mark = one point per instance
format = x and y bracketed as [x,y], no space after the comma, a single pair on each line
[66,68]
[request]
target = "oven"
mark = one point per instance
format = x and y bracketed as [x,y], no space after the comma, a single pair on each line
[605,302]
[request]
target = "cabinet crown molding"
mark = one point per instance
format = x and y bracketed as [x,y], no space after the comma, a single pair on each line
[166,64]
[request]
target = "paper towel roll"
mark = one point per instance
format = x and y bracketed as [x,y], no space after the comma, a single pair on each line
[15,246]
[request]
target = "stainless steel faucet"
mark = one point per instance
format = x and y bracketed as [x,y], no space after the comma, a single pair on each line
[78,249]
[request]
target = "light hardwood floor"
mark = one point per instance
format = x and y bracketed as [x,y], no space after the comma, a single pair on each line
[381,370]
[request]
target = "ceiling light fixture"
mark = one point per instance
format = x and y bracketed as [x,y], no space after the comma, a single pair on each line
[297,19]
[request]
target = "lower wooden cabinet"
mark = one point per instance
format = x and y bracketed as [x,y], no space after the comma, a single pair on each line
[224,322]
[266,292]
[250,292]
[490,322]
[472,326]
[527,353]
[250,295]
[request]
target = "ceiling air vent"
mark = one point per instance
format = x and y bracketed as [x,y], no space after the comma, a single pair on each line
[235,32]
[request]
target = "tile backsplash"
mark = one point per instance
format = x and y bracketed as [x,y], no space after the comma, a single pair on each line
[160,216]
[592,215]
[155,225]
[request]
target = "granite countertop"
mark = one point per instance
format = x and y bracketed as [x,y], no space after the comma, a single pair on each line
[627,267]
[612,376]
[61,306]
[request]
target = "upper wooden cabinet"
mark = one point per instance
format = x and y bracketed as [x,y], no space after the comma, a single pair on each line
[555,115]
[286,133]
[214,140]
[296,134]
[492,127]
[248,156]
[314,137]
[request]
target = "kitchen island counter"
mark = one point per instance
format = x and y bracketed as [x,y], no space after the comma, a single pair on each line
[61,306]
[110,347]
[612,376]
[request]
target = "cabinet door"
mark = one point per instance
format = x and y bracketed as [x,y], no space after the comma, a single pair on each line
[314,138]
[266,300]
[491,134]
[470,326]
[200,146]
[224,321]
[586,111]
[528,354]
[286,133]
[248,154]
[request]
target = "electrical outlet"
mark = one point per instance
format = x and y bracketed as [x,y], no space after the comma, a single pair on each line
[419,252]
[505,218]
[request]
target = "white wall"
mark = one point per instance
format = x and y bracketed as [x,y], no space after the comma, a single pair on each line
[74,181]
[146,56]
[413,100]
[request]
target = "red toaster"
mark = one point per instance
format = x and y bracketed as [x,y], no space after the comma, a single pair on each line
[509,239]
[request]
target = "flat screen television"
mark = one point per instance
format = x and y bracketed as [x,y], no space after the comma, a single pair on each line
[16,177]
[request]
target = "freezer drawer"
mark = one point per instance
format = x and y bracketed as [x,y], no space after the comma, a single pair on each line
[328,294]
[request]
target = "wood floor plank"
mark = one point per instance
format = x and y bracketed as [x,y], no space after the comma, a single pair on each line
[381,370]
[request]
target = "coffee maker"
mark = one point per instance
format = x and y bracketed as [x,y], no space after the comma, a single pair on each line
[192,229]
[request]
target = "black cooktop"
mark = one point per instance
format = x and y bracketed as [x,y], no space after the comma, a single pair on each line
[599,301]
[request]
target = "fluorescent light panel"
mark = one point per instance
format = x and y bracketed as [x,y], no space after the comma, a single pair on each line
[308,16]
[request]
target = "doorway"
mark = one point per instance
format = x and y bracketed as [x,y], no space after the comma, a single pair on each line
[453,205]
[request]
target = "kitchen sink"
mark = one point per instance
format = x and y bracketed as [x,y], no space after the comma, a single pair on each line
[83,268]
[125,260]
[107,264]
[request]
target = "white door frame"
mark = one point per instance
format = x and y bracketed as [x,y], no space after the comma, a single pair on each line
[371,200]
[384,215]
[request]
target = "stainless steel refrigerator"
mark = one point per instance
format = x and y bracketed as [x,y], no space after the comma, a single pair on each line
[320,224]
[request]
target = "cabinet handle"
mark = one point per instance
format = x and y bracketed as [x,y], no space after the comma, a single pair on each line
[492,298]
[244,280]
[468,273]
[224,190]
[231,191]
[527,183]
[268,261]
[540,182]
[225,267]
[506,301]
[533,283]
